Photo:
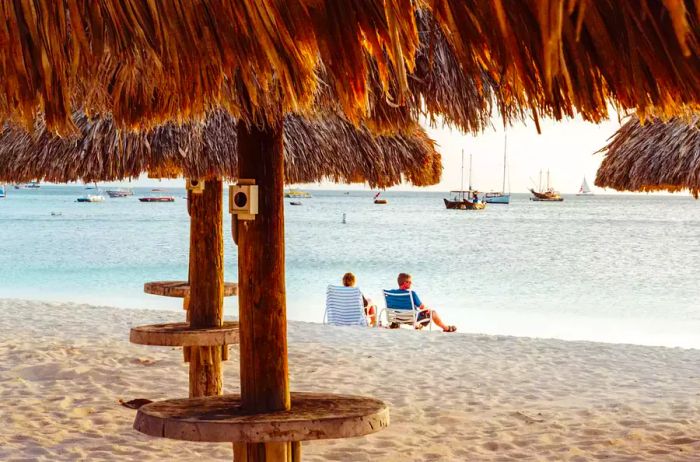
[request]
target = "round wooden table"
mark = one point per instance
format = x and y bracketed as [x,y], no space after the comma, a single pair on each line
[181,289]
[181,334]
[313,416]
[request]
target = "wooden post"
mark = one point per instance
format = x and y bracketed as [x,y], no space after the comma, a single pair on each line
[206,285]
[261,290]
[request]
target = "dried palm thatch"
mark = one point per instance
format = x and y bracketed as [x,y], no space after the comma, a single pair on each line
[653,156]
[149,62]
[325,148]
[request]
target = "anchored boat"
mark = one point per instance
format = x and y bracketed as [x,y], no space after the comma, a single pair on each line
[157,199]
[465,199]
[584,190]
[500,197]
[547,195]
[120,192]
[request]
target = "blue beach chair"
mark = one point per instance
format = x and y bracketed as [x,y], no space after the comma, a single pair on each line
[400,309]
[344,307]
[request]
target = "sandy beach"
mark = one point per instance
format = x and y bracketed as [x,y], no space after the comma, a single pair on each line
[460,397]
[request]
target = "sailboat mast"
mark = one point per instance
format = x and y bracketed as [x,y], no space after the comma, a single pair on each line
[470,171]
[505,145]
[461,184]
[539,185]
[547,179]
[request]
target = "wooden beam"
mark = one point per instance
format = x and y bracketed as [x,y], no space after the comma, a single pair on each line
[261,289]
[206,278]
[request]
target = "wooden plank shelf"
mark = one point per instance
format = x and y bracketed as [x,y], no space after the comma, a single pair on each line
[313,416]
[181,334]
[181,289]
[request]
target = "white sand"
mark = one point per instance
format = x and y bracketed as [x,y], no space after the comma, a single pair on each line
[459,397]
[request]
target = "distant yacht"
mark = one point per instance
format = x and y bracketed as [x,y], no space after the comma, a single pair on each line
[120,192]
[157,199]
[92,197]
[465,199]
[500,197]
[297,194]
[547,195]
[30,185]
[584,190]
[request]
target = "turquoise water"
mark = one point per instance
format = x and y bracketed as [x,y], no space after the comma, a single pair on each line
[608,268]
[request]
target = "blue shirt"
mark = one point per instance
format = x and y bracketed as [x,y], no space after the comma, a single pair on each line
[402,302]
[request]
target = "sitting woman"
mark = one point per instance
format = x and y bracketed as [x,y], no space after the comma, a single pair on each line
[370,308]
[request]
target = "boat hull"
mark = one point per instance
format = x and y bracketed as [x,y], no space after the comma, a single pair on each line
[381,201]
[545,197]
[463,205]
[497,199]
[157,199]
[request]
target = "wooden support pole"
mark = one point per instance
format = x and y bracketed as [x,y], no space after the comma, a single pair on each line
[261,290]
[206,285]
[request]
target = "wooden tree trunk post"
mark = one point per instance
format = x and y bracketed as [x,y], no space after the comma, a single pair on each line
[261,290]
[206,278]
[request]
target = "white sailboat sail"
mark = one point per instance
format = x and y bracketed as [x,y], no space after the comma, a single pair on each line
[585,189]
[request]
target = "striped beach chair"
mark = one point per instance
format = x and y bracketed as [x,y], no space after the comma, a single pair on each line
[344,307]
[400,309]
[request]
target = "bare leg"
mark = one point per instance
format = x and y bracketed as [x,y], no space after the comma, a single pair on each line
[437,320]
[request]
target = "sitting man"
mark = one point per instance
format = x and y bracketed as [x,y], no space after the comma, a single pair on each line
[404,281]
[370,309]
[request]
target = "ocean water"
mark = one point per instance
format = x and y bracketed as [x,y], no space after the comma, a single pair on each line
[612,268]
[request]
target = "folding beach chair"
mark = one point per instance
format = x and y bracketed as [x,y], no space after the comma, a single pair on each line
[400,309]
[344,307]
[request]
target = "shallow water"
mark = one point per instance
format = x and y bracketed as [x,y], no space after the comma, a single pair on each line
[609,268]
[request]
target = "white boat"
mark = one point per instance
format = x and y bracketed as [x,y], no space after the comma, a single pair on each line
[584,190]
[91,198]
[500,197]
[120,192]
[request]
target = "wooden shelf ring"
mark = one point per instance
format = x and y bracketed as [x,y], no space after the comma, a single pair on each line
[313,416]
[181,334]
[181,289]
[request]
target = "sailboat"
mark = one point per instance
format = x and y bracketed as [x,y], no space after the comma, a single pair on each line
[584,190]
[500,197]
[465,199]
[547,195]
[92,197]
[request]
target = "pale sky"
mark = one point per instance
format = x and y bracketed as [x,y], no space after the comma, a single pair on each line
[565,148]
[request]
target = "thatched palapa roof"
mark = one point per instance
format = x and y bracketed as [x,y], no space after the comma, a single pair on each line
[653,156]
[150,62]
[325,148]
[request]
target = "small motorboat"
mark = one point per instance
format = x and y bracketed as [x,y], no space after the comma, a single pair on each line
[295,203]
[120,192]
[91,198]
[381,201]
[460,201]
[297,194]
[157,199]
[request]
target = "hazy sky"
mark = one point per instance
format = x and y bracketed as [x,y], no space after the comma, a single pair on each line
[565,148]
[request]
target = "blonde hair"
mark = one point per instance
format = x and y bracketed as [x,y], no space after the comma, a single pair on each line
[403,277]
[348,279]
